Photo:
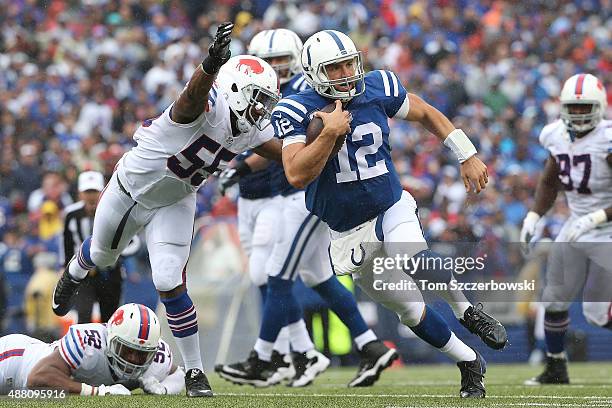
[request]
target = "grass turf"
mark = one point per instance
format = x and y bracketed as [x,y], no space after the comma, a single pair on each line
[416,386]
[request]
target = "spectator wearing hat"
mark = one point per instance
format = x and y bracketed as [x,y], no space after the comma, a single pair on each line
[102,286]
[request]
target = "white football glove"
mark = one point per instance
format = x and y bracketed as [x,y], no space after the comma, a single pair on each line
[151,385]
[528,231]
[115,389]
[227,178]
[585,224]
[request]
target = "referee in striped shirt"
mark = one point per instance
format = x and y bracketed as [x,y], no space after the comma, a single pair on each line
[102,286]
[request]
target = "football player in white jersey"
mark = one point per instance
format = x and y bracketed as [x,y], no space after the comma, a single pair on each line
[222,111]
[94,358]
[580,164]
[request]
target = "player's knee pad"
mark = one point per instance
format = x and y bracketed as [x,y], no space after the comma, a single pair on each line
[597,313]
[167,273]
[410,313]
[430,266]
[279,286]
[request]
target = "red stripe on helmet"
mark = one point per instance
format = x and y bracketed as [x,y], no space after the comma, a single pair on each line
[579,84]
[143,333]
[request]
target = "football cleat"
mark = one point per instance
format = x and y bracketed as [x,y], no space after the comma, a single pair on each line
[64,292]
[489,329]
[307,366]
[375,357]
[282,368]
[253,371]
[472,377]
[554,373]
[196,384]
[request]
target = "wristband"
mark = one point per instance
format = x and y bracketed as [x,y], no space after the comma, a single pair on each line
[88,390]
[210,66]
[599,216]
[460,144]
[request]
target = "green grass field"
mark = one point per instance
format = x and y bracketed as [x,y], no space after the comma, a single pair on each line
[416,386]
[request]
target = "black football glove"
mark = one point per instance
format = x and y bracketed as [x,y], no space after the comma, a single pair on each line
[219,52]
[231,176]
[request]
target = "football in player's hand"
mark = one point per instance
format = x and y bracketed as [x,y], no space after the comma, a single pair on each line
[316,126]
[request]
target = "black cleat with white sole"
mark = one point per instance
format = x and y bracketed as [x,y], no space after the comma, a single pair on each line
[554,373]
[375,357]
[282,368]
[253,371]
[196,384]
[489,329]
[64,293]
[472,377]
[308,366]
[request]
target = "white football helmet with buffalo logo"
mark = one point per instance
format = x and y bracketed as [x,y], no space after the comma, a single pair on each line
[251,88]
[329,47]
[278,43]
[583,89]
[133,334]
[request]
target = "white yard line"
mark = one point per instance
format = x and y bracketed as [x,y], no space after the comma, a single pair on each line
[302,395]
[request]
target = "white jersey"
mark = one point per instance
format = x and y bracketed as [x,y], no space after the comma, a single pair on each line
[172,160]
[583,169]
[83,348]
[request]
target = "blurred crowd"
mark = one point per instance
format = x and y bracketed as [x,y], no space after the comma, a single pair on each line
[78,77]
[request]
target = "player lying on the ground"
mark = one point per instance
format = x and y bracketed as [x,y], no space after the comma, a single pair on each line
[94,358]
[155,183]
[580,163]
[352,185]
[289,241]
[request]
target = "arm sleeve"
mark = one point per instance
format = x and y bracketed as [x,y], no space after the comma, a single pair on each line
[290,121]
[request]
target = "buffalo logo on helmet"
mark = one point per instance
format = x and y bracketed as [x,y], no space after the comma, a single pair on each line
[117,318]
[250,65]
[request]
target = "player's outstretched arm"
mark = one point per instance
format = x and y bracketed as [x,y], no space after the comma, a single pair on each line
[194,98]
[53,372]
[303,163]
[231,175]
[270,150]
[473,170]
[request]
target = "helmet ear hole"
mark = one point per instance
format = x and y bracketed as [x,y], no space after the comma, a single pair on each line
[234,87]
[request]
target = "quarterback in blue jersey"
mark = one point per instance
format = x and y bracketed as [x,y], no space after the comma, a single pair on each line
[358,192]
[300,247]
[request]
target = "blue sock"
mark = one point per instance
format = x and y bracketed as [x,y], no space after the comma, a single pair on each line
[343,303]
[279,302]
[181,315]
[84,256]
[555,327]
[433,329]
[263,290]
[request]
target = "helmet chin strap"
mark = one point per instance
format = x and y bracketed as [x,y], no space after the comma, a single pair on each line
[239,123]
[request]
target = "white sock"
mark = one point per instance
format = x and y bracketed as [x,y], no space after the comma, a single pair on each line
[282,341]
[300,339]
[364,338]
[562,355]
[75,270]
[458,350]
[264,349]
[190,351]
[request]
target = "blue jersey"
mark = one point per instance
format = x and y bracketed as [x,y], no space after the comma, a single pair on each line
[360,182]
[271,180]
